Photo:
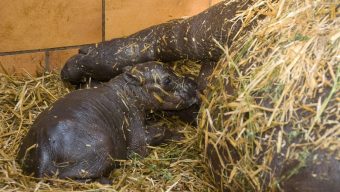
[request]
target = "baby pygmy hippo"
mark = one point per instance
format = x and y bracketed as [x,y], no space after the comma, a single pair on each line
[81,134]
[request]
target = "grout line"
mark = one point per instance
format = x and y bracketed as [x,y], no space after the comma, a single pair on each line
[103,20]
[47,61]
[42,50]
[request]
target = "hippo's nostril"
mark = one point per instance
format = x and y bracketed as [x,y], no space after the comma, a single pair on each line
[63,75]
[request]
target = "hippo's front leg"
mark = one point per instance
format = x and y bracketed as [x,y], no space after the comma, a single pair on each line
[206,70]
[135,135]
[142,135]
[158,133]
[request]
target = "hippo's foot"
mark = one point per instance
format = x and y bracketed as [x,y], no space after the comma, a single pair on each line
[155,134]
[158,133]
[188,115]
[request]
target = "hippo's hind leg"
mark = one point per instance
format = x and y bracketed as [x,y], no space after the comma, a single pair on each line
[136,137]
[35,158]
[87,159]
[92,169]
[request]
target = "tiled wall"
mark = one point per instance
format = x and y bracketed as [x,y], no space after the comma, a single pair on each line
[39,35]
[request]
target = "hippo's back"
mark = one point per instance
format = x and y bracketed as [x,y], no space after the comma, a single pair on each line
[74,138]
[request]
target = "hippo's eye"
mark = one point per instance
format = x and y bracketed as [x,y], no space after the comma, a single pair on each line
[167,81]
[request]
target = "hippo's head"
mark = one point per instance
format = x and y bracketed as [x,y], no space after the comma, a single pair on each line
[73,71]
[89,62]
[165,90]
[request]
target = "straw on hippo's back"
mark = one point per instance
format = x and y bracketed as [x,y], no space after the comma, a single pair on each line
[193,38]
[81,134]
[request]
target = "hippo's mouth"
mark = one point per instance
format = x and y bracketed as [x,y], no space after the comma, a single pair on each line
[193,101]
[186,103]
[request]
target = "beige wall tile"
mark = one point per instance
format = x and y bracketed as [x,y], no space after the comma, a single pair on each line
[124,17]
[58,58]
[38,24]
[32,63]
[213,2]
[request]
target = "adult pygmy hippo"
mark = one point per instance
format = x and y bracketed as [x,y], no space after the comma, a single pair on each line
[81,134]
[193,38]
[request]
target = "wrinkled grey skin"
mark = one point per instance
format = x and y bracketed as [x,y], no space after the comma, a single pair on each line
[81,134]
[193,38]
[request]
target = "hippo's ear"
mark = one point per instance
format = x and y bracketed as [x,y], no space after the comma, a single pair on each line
[131,79]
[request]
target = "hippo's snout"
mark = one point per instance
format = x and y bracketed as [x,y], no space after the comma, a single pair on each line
[72,71]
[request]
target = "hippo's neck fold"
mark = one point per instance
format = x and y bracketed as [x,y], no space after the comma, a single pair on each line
[131,96]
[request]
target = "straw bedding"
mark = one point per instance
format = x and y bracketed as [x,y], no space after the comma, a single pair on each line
[176,166]
[273,97]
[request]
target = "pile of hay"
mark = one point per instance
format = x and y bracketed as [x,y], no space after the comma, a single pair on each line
[176,166]
[275,96]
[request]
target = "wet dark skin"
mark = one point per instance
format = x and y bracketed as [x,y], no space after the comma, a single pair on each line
[194,38]
[81,134]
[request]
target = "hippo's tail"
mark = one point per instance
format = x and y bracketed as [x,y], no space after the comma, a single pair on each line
[33,159]
[45,167]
